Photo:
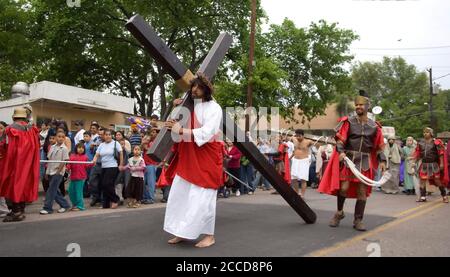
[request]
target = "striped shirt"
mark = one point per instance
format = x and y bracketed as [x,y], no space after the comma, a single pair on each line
[135,139]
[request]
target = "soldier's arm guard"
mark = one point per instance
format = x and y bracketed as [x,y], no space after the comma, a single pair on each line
[381,157]
[340,147]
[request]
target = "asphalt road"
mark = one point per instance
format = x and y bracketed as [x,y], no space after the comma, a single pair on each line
[260,225]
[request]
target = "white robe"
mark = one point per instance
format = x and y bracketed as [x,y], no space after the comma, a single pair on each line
[191,209]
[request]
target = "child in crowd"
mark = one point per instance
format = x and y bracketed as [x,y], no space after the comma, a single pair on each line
[55,172]
[51,141]
[77,177]
[135,187]
[87,138]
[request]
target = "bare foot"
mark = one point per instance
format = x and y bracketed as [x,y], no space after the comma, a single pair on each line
[175,240]
[207,241]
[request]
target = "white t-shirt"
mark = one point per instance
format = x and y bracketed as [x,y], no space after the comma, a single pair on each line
[79,136]
[106,151]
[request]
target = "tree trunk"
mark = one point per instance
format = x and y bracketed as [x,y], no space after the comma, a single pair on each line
[162,90]
[152,98]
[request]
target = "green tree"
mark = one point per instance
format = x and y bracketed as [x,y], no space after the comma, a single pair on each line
[314,60]
[19,58]
[89,46]
[296,69]
[403,93]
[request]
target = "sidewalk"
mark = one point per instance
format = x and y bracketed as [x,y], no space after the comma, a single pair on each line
[32,210]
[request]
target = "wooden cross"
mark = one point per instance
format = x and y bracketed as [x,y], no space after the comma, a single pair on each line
[153,44]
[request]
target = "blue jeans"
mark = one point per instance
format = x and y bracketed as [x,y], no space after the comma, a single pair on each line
[42,165]
[258,178]
[53,194]
[149,182]
[247,177]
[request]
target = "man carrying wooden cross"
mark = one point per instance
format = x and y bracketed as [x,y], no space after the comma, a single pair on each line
[197,167]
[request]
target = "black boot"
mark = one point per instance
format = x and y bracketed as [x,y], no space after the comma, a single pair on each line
[17,213]
[340,202]
[359,214]
[423,195]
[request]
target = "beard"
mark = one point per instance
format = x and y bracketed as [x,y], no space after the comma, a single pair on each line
[360,112]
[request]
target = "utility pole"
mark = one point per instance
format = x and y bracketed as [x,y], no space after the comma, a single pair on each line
[430,102]
[251,61]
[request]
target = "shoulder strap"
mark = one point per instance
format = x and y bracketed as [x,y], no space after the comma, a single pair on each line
[341,122]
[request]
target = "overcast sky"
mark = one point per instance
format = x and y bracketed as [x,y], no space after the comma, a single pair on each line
[382,26]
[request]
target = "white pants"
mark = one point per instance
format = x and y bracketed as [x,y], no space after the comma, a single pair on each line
[191,210]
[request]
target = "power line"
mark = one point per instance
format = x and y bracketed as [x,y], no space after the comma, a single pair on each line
[408,55]
[441,76]
[407,48]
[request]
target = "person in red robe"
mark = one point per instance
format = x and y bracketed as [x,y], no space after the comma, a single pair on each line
[19,174]
[434,166]
[164,182]
[281,161]
[360,139]
[448,165]
[197,167]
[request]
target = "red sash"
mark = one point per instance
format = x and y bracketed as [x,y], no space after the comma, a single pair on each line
[201,166]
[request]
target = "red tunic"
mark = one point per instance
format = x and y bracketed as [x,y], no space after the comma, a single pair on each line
[199,165]
[334,173]
[78,171]
[19,176]
[443,174]
[147,159]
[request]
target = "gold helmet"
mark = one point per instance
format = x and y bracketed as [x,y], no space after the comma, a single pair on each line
[362,98]
[20,113]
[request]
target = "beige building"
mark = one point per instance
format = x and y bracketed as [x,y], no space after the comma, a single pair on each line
[320,125]
[52,100]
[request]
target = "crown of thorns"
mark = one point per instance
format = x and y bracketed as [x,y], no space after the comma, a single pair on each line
[203,79]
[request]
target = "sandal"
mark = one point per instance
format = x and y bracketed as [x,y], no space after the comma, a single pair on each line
[422,199]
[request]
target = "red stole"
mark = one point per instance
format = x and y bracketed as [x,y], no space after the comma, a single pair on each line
[201,166]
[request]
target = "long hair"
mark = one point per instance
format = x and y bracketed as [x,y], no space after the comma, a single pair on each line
[205,85]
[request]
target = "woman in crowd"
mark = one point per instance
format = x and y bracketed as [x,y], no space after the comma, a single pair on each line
[234,165]
[119,136]
[110,155]
[410,167]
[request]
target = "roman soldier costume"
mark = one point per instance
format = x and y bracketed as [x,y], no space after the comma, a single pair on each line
[433,165]
[362,142]
[19,175]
